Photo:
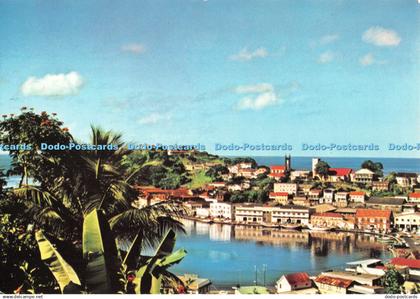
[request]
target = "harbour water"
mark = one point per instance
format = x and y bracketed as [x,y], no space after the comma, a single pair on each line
[230,255]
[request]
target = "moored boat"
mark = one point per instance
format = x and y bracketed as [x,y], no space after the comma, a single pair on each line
[291,226]
[319,228]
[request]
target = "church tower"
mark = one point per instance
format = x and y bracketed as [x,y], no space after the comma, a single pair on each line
[288,163]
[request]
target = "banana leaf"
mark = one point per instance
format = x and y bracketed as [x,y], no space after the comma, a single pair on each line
[65,275]
[133,255]
[100,252]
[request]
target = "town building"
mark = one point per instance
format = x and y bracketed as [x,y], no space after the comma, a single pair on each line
[407,221]
[374,220]
[364,176]
[221,210]
[341,199]
[328,219]
[332,285]
[293,282]
[414,197]
[328,196]
[289,214]
[413,266]
[314,196]
[385,203]
[380,186]
[406,179]
[363,279]
[300,175]
[281,198]
[357,196]
[339,174]
[249,213]
[301,201]
[290,188]
[277,171]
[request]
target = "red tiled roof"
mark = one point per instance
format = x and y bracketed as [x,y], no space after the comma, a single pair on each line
[328,214]
[411,263]
[414,195]
[333,281]
[357,193]
[315,190]
[279,194]
[340,171]
[298,278]
[276,174]
[277,167]
[373,213]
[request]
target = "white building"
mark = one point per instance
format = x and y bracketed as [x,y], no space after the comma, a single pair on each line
[293,282]
[290,188]
[221,210]
[328,196]
[202,212]
[409,221]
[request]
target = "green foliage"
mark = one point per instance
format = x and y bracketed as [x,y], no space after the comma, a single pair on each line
[393,281]
[322,168]
[104,271]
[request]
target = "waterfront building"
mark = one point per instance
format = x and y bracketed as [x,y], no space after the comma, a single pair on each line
[293,282]
[385,203]
[407,221]
[249,213]
[332,285]
[331,220]
[369,266]
[221,210]
[280,197]
[357,196]
[413,266]
[364,176]
[202,212]
[406,179]
[374,220]
[290,188]
[341,199]
[289,214]
[380,186]
[195,284]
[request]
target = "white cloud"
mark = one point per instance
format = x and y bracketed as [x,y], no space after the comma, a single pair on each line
[245,54]
[381,37]
[154,118]
[329,38]
[52,85]
[258,96]
[326,57]
[367,59]
[134,48]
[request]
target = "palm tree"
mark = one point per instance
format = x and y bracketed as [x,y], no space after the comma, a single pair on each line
[98,179]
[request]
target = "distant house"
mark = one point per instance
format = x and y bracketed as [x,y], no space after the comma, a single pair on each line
[299,175]
[364,176]
[290,188]
[328,196]
[380,186]
[414,197]
[277,171]
[406,179]
[386,203]
[280,197]
[301,201]
[341,199]
[293,282]
[357,196]
[314,196]
[339,174]
[374,220]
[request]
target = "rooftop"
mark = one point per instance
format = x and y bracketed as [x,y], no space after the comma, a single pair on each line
[386,201]
[328,214]
[373,213]
[333,281]
[297,278]
[340,171]
[411,263]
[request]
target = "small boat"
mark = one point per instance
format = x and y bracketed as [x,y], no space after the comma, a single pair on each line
[291,226]
[319,228]
[384,239]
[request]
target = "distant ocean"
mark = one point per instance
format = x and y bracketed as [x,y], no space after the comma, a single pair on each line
[390,164]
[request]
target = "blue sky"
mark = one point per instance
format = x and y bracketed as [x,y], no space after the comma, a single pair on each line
[232,71]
